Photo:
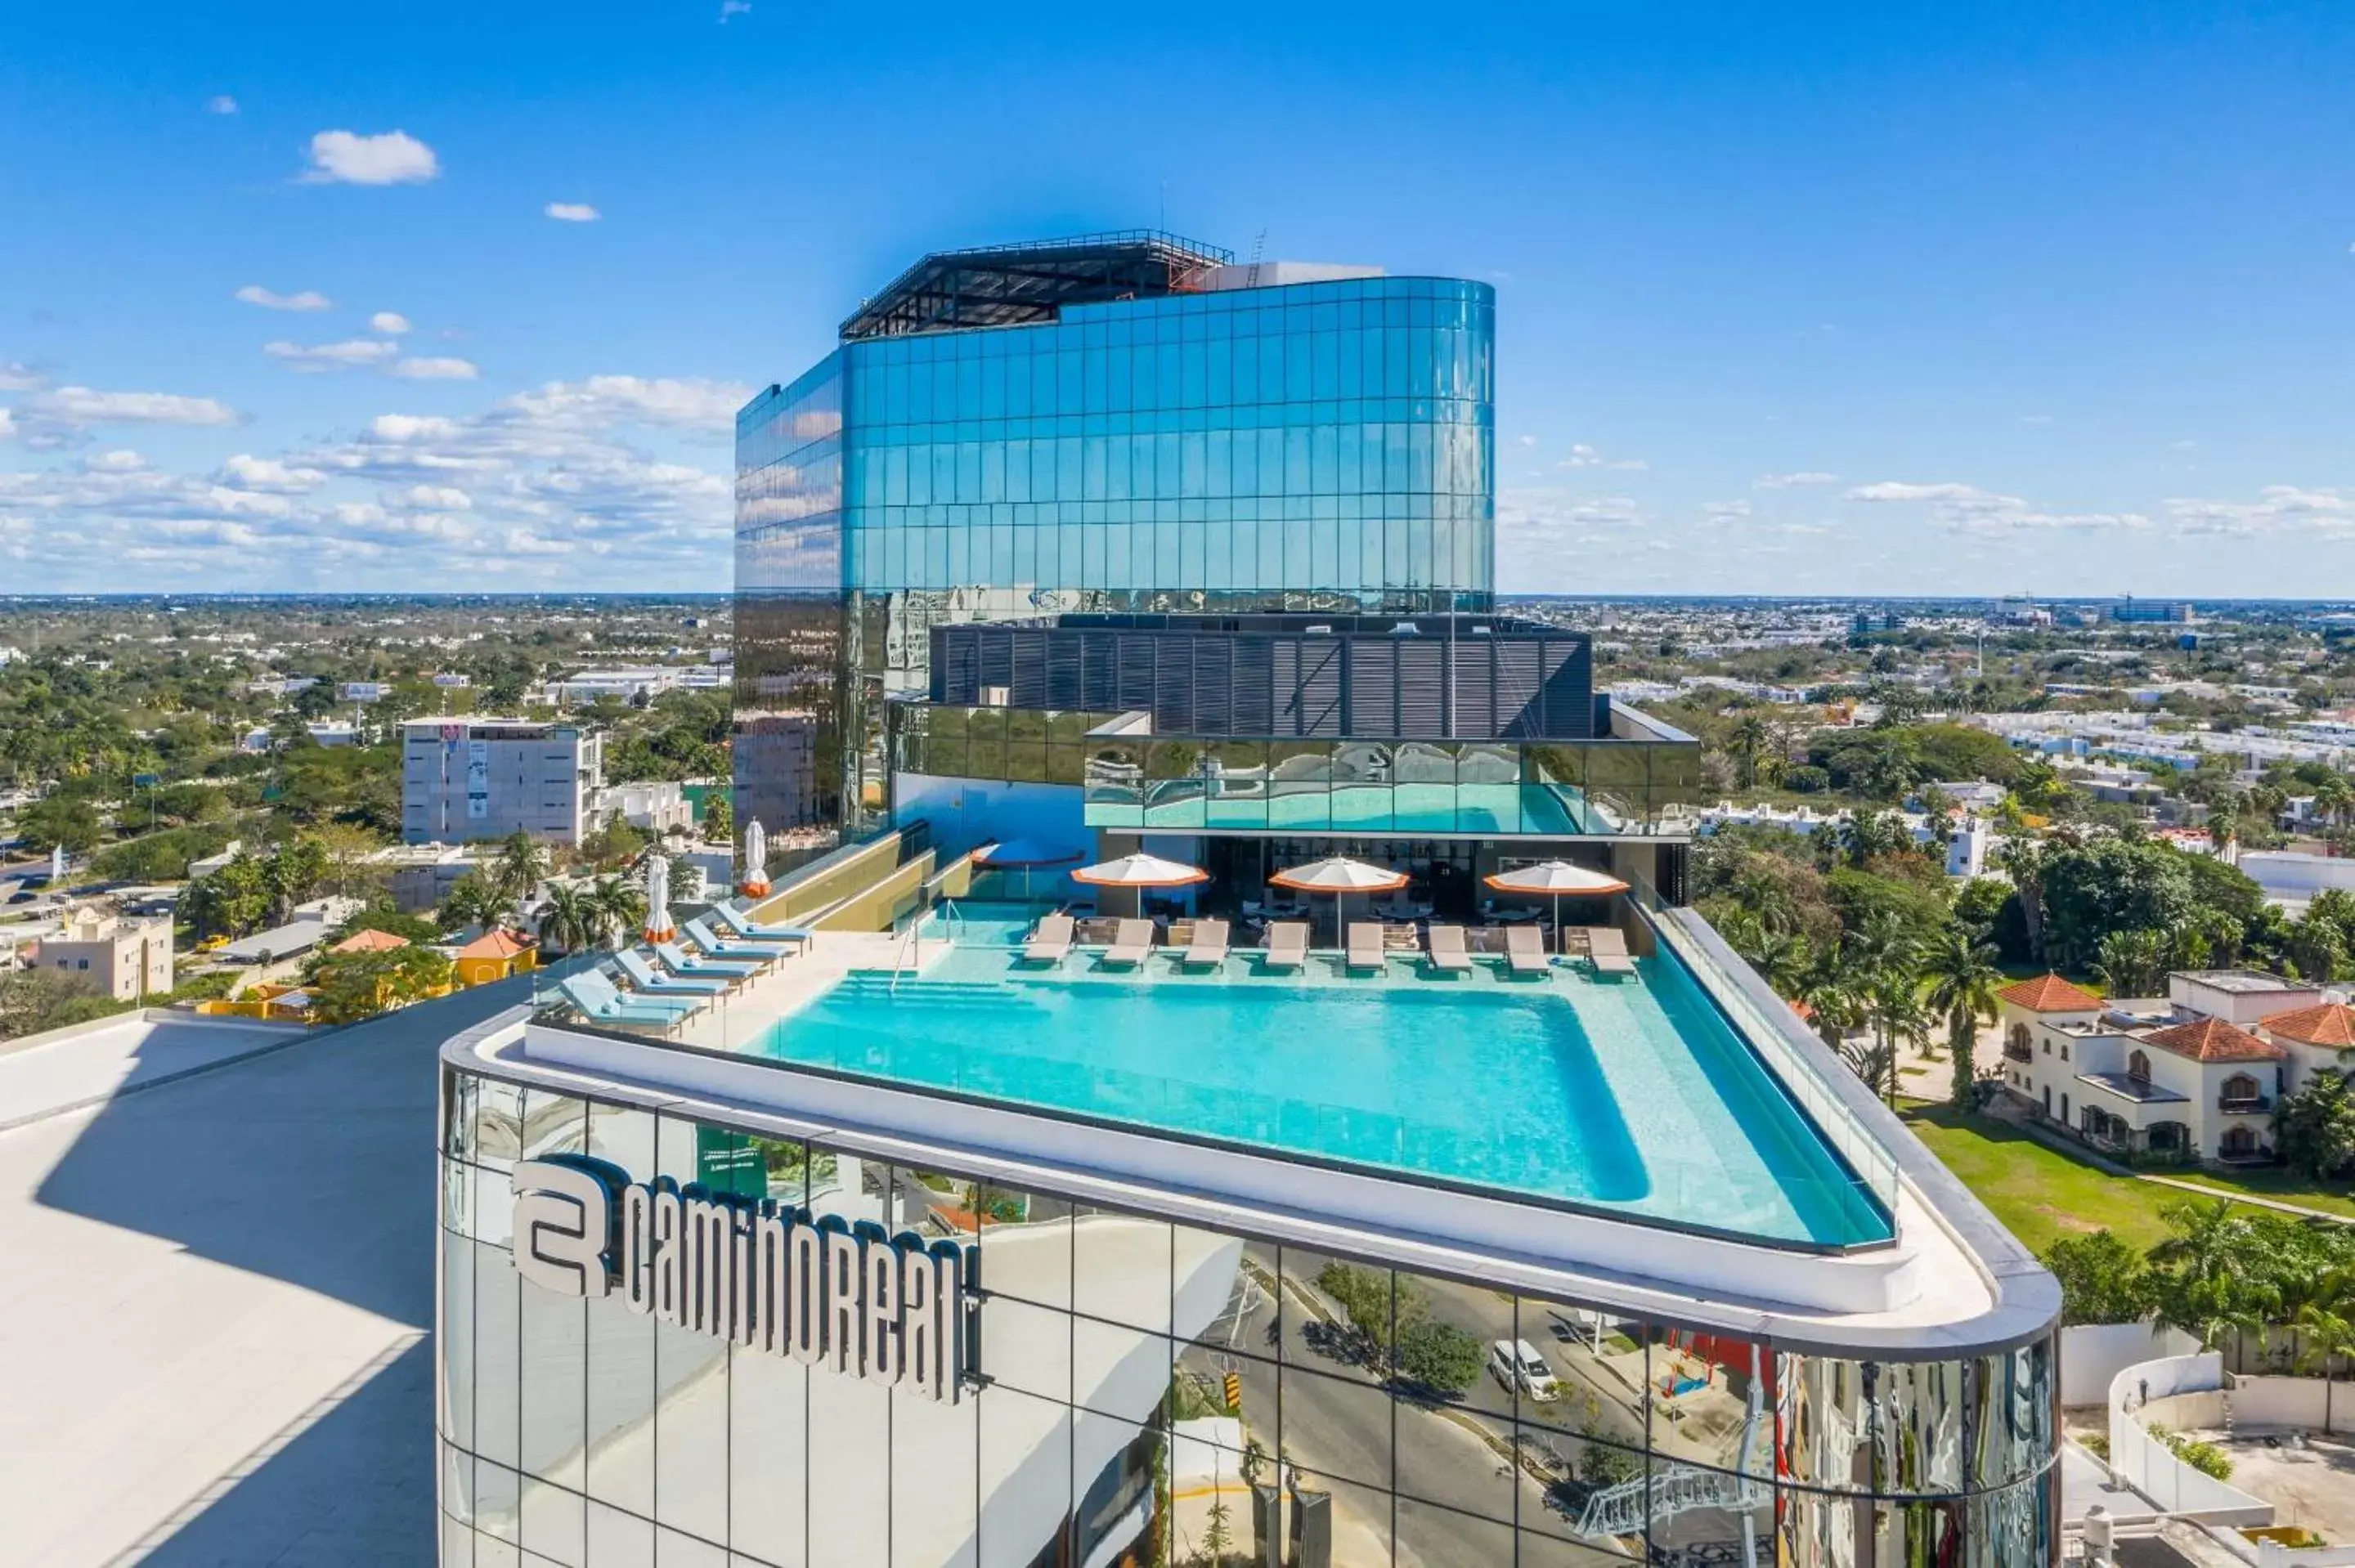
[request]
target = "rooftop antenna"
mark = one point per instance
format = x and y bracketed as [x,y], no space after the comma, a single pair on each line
[1259,244]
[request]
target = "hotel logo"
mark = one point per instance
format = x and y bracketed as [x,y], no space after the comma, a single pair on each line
[850,1297]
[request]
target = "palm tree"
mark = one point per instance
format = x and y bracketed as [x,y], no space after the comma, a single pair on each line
[2024,858]
[1747,739]
[621,905]
[570,920]
[1780,958]
[1884,960]
[474,900]
[1830,996]
[1898,1007]
[521,864]
[2325,1321]
[2132,963]
[1963,981]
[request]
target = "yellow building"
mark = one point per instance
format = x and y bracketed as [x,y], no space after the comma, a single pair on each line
[494,955]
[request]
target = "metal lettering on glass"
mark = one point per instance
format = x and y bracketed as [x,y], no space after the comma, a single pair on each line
[852,1299]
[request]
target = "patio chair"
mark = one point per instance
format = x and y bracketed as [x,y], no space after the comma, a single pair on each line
[682,962]
[596,998]
[1050,942]
[1287,944]
[646,980]
[1132,939]
[1365,945]
[1448,954]
[720,947]
[1606,950]
[1525,951]
[751,930]
[1209,946]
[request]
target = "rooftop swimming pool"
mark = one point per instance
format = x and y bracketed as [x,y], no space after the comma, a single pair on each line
[1632,1096]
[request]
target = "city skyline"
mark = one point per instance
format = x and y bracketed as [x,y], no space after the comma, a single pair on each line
[1881,306]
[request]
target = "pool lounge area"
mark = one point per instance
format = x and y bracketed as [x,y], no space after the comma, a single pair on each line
[1631,1097]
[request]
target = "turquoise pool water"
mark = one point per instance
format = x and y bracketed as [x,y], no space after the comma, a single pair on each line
[1632,1095]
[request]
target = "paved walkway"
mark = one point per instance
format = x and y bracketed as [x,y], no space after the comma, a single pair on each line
[215,1311]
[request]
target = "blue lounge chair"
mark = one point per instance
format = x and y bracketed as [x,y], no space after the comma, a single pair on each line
[646,980]
[752,930]
[597,1001]
[682,962]
[720,947]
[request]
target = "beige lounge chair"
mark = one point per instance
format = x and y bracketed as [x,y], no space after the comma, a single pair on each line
[1365,946]
[1287,944]
[1050,942]
[1132,939]
[1209,946]
[1525,951]
[1607,949]
[1447,952]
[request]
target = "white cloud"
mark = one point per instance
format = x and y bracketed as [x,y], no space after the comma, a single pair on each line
[19,377]
[122,462]
[390,158]
[7,424]
[1804,479]
[308,300]
[733,8]
[601,401]
[2279,508]
[1725,511]
[1969,509]
[1582,455]
[390,323]
[221,103]
[436,369]
[572,212]
[1528,440]
[433,498]
[244,471]
[79,406]
[324,356]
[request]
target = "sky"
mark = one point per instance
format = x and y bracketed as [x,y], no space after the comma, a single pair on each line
[1891,298]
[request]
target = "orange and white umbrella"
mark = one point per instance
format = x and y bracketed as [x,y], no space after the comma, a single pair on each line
[1557,879]
[1140,872]
[1339,875]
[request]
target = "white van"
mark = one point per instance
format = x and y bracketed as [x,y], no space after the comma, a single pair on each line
[1517,1366]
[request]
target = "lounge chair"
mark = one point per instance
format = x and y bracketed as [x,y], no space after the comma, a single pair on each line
[1050,942]
[1365,945]
[752,930]
[1209,946]
[1447,953]
[594,995]
[646,980]
[1525,951]
[682,962]
[1287,946]
[1132,939]
[1607,949]
[720,947]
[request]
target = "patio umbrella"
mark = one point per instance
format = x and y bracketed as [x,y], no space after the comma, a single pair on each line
[1561,880]
[1025,856]
[658,926]
[755,879]
[1339,875]
[1141,871]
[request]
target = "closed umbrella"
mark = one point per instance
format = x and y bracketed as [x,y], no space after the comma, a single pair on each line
[1339,875]
[1141,871]
[1557,879]
[658,926]
[1025,856]
[755,878]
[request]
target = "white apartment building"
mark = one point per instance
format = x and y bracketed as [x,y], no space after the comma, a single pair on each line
[467,779]
[647,681]
[362,690]
[120,958]
[654,806]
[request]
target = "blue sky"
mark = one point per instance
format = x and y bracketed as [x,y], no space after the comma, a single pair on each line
[1838,299]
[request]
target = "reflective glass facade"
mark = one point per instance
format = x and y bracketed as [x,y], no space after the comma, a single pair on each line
[1154,1392]
[1318,446]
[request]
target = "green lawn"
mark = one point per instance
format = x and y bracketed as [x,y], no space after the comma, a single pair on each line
[2286,1186]
[2040,1195]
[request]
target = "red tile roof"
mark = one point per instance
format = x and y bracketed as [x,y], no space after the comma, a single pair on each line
[2328,1024]
[2050,993]
[2213,1040]
[498,942]
[370,942]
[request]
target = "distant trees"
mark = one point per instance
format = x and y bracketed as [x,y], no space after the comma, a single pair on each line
[348,987]
[60,821]
[474,900]
[2313,1128]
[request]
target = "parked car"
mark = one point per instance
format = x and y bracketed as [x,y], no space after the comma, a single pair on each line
[1518,1369]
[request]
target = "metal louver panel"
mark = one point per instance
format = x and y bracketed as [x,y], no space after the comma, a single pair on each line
[1374,688]
[1099,671]
[1254,686]
[1421,690]
[1517,687]
[1214,694]
[1027,688]
[1318,693]
[1172,684]
[1476,689]
[1136,680]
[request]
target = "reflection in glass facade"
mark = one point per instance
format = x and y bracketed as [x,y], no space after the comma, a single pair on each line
[1153,1393]
[1316,446]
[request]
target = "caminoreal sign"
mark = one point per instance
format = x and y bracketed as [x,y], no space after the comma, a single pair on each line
[852,1299]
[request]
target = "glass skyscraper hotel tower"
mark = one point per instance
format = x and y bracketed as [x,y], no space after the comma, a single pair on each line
[1126,422]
